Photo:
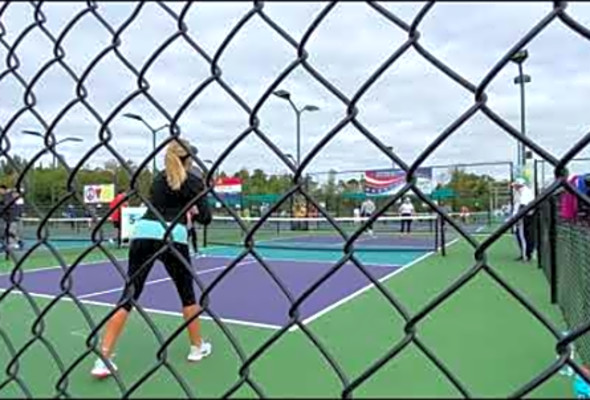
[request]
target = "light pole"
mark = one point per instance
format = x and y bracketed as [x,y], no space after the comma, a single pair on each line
[519,58]
[390,148]
[64,140]
[285,95]
[216,173]
[290,156]
[67,139]
[291,201]
[152,130]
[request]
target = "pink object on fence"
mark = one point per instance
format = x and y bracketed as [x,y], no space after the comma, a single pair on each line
[569,203]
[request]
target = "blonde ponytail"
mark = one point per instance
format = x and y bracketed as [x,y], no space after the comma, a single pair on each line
[175,169]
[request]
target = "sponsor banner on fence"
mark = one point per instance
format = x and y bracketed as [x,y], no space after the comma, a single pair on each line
[228,185]
[96,194]
[387,182]
[129,216]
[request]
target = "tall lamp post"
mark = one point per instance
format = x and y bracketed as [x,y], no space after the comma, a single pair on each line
[285,95]
[67,139]
[519,58]
[216,173]
[290,157]
[54,162]
[152,130]
[291,201]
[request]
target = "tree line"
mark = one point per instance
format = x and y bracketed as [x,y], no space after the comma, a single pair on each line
[45,186]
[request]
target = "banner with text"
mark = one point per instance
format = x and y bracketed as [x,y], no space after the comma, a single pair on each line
[387,182]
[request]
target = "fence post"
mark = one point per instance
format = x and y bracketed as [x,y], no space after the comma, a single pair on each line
[537,214]
[552,248]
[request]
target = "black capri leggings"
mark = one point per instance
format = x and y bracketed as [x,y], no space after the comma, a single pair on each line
[140,251]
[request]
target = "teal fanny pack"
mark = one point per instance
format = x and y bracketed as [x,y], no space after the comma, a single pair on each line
[148,229]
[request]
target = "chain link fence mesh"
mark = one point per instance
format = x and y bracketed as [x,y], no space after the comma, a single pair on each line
[573,277]
[301,60]
[564,259]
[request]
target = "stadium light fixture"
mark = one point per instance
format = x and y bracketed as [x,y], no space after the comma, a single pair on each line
[519,58]
[285,95]
[64,140]
[152,130]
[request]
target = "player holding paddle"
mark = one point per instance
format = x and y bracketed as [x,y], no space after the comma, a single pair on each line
[172,189]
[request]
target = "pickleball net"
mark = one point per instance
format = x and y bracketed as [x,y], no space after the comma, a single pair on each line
[424,234]
[63,229]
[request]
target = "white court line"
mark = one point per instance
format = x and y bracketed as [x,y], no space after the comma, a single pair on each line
[83,264]
[202,272]
[351,296]
[295,261]
[154,311]
[240,322]
[78,333]
[91,263]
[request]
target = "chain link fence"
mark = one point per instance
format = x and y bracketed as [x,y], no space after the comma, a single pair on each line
[301,61]
[564,257]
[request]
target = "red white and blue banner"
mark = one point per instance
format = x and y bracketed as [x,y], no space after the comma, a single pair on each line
[230,190]
[387,182]
[228,185]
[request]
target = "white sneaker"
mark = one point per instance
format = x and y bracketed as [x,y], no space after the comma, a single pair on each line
[101,370]
[198,353]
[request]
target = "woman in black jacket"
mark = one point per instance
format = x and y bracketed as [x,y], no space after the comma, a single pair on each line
[171,191]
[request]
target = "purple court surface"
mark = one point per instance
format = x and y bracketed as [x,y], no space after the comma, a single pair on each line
[246,295]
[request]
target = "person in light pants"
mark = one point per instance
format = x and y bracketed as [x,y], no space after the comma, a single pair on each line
[406,210]
[525,228]
[367,210]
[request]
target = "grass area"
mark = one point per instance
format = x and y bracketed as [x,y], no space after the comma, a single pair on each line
[484,336]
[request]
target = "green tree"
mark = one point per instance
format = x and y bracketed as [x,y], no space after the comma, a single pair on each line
[257,182]
[472,190]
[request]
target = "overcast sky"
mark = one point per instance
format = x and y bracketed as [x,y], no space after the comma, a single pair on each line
[406,108]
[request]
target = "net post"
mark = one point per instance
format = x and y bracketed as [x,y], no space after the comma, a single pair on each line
[436,232]
[511,191]
[443,246]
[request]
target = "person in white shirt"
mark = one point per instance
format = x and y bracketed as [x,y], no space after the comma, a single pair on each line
[367,209]
[525,228]
[357,215]
[406,210]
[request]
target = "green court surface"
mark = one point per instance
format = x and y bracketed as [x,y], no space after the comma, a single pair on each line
[483,335]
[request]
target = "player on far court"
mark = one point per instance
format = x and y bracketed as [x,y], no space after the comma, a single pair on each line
[525,228]
[172,189]
[406,210]
[367,209]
